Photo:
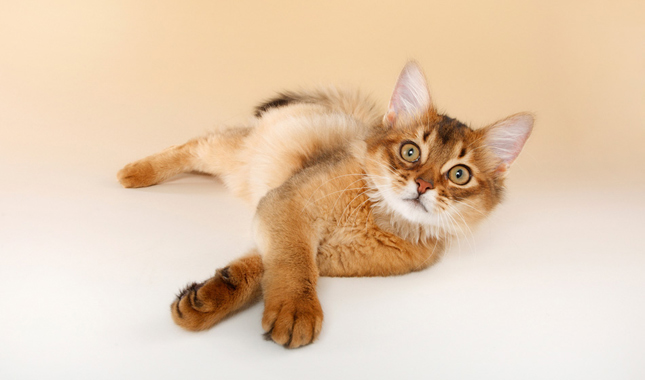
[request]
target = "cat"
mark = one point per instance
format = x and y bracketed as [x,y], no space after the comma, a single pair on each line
[340,189]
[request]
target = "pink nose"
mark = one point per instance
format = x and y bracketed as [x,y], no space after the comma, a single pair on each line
[424,185]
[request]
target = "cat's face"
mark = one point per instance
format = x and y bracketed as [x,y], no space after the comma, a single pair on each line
[433,171]
[436,173]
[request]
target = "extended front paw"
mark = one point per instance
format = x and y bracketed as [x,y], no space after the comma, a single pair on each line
[201,305]
[293,322]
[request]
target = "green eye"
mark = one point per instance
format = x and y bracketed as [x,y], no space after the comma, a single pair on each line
[459,174]
[410,152]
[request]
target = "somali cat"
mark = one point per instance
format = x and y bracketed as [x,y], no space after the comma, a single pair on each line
[340,189]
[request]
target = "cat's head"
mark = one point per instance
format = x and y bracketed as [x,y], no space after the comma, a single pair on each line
[432,175]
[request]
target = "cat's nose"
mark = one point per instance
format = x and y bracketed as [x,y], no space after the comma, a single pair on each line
[424,185]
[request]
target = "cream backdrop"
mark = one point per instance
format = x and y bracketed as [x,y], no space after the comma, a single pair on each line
[121,71]
[86,86]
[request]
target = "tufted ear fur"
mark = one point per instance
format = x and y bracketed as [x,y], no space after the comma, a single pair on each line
[506,138]
[410,97]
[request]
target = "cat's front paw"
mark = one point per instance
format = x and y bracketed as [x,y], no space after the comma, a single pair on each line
[201,305]
[137,174]
[292,322]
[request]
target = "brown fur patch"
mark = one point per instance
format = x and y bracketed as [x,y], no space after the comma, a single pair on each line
[281,100]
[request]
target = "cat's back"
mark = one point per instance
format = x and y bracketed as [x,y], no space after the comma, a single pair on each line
[294,135]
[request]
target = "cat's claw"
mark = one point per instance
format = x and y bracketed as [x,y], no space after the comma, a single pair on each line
[200,305]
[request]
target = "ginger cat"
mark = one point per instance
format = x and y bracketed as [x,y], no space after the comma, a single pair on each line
[340,189]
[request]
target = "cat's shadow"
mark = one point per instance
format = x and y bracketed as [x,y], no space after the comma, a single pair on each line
[189,183]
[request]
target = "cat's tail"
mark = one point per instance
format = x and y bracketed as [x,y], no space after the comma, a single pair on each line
[349,102]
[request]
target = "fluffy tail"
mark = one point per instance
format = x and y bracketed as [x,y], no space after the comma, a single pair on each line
[352,103]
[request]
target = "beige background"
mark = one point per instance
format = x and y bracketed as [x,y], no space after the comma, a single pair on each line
[93,69]
[86,86]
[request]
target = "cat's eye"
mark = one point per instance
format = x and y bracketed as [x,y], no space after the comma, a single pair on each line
[410,152]
[459,174]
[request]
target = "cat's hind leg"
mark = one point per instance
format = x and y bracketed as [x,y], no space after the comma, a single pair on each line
[160,166]
[201,305]
[217,154]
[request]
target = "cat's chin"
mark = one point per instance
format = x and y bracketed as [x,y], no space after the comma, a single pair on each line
[406,214]
[414,210]
[416,202]
[409,219]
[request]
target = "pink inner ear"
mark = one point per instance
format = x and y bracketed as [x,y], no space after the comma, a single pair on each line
[390,117]
[410,96]
[506,138]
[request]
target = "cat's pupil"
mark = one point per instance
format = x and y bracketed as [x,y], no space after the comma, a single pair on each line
[459,173]
[410,152]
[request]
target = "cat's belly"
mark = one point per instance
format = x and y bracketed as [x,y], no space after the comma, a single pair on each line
[372,252]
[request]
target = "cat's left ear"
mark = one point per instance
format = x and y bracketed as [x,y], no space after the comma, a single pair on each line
[506,138]
[410,97]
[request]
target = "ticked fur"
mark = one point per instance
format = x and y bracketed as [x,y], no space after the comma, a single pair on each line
[341,189]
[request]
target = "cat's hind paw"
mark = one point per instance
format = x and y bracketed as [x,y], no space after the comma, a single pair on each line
[137,174]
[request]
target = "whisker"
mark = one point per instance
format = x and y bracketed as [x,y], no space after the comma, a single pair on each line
[357,211]
[424,262]
[465,224]
[326,182]
[348,205]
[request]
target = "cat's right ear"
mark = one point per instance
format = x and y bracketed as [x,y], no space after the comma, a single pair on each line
[410,97]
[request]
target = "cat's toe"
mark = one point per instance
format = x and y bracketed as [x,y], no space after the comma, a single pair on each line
[188,307]
[293,324]
[201,305]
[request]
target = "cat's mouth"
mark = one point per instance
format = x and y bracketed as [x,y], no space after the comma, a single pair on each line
[417,203]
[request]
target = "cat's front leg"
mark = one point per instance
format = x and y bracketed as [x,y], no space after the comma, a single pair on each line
[292,313]
[201,305]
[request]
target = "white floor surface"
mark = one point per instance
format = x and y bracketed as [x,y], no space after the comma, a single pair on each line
[552,286]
